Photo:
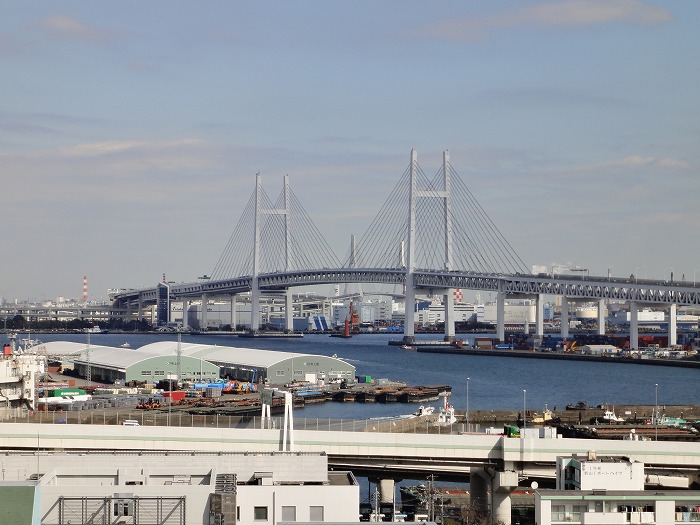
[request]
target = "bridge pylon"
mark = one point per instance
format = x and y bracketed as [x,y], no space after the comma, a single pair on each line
[260,212]
[444,195]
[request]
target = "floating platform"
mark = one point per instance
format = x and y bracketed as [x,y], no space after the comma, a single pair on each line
[427,344]
[257,335]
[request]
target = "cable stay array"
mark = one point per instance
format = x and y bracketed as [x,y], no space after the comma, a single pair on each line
[306,247]
[474,244]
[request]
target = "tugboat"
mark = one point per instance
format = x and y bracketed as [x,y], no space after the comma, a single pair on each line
[424,411]
[446,416]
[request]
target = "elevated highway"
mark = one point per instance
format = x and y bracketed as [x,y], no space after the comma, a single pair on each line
[645,291]
[397,454]
[667,294]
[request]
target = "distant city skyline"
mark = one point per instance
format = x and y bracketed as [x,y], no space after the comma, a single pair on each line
[131,133]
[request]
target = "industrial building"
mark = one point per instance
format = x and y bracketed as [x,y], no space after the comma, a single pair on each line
[172,488]
[200,362]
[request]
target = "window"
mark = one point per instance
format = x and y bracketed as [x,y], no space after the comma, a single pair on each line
[577,510]
[122,508]
[289,513]
[145,372]
[558,513]
[260,513]
[315,513]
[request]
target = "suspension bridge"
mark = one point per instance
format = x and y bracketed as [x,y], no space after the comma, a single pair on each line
[430,237]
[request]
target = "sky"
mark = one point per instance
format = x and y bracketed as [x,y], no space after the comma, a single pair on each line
[131,132]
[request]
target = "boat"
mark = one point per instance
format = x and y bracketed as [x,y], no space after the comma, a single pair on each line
[408,347]
[125,345]
[424,411]
[610,417]
[446,416]
[547,416]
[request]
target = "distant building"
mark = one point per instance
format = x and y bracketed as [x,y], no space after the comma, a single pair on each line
[598,350]
[516,311]
[433,313]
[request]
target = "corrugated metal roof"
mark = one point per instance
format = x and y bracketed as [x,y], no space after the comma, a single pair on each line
[123,358]
[225,354]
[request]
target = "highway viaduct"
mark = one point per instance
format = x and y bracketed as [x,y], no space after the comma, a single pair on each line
[493,464]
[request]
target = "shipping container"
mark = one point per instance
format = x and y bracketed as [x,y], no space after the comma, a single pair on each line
[177,395]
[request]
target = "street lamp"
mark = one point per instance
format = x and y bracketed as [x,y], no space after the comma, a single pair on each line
[656,411]
[467,415]
[524,411]
[170,397]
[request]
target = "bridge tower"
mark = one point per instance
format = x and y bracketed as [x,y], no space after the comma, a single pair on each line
[255,289]
[445,195]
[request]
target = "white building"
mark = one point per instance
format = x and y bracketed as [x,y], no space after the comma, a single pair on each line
[644,316]
[516,311]
[174,488]
[610,491]
[18,373]
[598,350]
[435,313]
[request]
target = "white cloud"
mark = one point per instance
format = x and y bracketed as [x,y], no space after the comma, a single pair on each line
[636,161]
[569,13]
[70,28]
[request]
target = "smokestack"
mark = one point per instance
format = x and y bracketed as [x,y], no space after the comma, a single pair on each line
[85,295]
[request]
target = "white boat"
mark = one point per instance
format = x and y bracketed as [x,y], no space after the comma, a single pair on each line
[125,345]
[424,411]
[408,347]
[610,417]
[446,416]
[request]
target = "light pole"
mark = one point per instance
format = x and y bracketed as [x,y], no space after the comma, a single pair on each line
[170,396]
[467,415]
[694,272]
[656,411]
[524,411]
[636,274]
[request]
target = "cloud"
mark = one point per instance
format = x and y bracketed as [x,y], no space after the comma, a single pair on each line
[568,13]
[636,161]
[70,29]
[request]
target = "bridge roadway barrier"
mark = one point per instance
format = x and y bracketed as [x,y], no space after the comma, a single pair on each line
[424,453]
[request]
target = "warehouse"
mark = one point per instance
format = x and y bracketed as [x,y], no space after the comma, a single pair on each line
[198,362]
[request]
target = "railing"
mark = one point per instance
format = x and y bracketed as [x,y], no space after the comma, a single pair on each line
[566,517]
[687,517]
[149,418]
[634,517]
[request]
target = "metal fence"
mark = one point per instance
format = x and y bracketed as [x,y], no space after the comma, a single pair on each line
[148,418]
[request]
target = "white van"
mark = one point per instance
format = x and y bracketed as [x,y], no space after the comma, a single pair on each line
[131,423]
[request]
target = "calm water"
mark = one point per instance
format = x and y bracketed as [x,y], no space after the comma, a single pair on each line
[494,382]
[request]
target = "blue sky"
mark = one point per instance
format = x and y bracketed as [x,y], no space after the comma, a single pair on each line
[131,132]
